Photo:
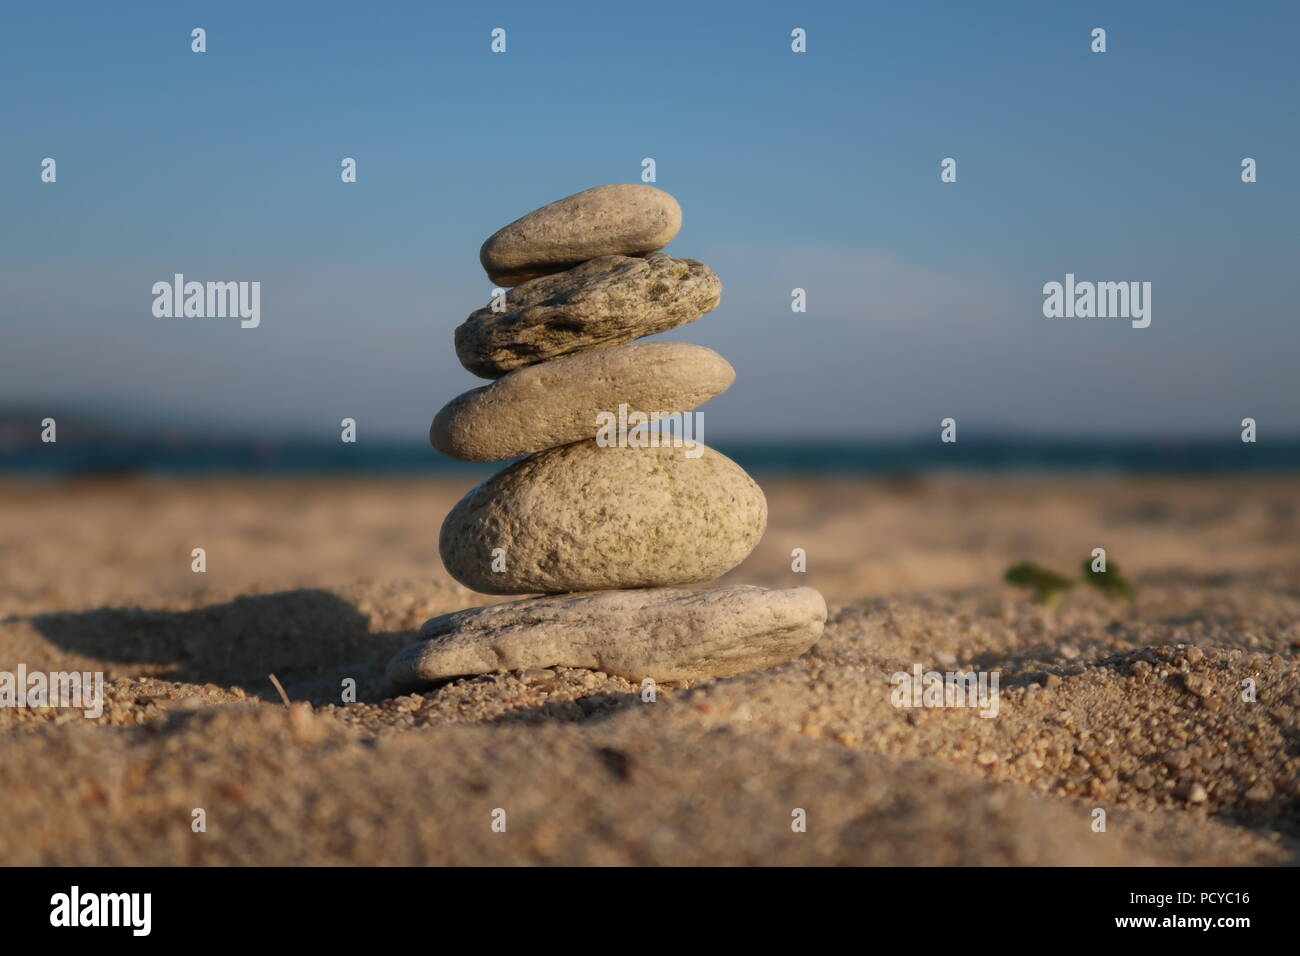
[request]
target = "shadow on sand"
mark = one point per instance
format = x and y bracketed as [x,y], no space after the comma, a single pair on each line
[310,639]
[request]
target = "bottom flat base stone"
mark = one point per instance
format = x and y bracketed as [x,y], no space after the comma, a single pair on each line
[661,633]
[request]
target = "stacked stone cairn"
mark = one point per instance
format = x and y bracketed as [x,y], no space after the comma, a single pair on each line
[606,527]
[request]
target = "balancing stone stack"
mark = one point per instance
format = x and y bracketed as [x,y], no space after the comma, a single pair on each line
[606,530]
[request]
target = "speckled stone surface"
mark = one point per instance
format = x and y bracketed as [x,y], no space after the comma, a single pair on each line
[660,633]
[586,518]
[556,403]
[622,219]
[602,302]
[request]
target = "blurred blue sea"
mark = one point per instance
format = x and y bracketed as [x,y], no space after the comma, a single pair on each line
[168,454]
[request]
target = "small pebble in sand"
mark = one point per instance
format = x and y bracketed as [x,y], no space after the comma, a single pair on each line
[1177,759]
[1260,793]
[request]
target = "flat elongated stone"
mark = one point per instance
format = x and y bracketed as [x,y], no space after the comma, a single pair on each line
[622,219]
[661,633]
[603,302]
[584,518]
[555,403]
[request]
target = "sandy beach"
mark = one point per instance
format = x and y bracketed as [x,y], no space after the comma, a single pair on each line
[1135,710]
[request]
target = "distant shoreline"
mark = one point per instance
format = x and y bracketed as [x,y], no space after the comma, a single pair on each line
[270,457]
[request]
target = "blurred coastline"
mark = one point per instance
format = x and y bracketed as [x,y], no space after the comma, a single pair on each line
[89,447]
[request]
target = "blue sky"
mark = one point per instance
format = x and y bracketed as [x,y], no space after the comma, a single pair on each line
[816,170]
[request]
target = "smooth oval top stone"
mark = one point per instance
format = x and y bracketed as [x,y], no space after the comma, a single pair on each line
[623,219]
[661,633]
[583,517]
[556,403]
[600,303]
